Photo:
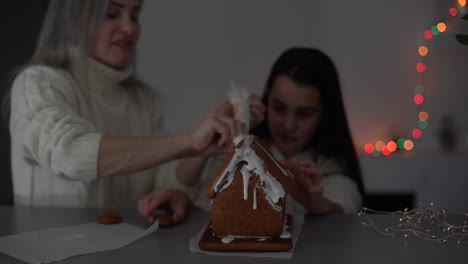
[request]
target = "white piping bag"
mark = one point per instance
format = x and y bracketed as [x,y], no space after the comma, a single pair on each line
[239,98]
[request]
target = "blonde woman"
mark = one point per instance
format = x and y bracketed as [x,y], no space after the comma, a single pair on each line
[85,131]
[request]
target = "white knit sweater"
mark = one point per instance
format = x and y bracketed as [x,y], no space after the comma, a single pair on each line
[56,127]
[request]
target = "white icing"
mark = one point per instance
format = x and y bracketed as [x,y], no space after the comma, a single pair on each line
[246,177]
[255,198]
[227,239]
[272,188]
[225,183]
[285,234]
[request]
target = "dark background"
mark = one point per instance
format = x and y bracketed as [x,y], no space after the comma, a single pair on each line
[20,22]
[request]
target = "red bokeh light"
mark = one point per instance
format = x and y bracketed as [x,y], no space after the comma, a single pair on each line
[417,133]
[428,34]
[418,99]
[385,151]
[369,148]
[421,67]
[453,11]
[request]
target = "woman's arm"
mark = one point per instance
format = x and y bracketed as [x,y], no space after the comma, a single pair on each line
[123,155]
[120,155]
[49,132]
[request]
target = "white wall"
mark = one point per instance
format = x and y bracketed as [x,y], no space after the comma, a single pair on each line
[191,49]
[438,178]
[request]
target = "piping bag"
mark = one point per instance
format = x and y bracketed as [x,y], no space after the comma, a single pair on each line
[239,98]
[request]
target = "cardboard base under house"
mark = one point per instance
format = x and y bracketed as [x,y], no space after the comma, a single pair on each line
[212,243]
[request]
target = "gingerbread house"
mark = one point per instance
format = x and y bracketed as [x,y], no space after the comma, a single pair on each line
[248,193]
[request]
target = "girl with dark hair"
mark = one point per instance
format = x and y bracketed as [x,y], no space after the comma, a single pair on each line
[306,120]
[79,115]
[306,127]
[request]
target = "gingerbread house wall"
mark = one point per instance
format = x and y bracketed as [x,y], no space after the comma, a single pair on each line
[232,215]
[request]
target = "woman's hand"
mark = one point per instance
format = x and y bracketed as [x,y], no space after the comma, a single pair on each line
[176,200]
[305,188]
[214,135]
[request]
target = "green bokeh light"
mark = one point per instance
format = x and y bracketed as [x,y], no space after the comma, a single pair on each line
[401,143]
[419,89]
[422,124]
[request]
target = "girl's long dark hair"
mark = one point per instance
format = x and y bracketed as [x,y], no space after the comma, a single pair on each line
[307,66]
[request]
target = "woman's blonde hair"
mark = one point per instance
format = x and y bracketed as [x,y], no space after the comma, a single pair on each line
[68,32]
[67,38]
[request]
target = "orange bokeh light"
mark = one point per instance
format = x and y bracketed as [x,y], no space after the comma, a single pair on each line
[462,2]
[441,27]
[423,116]
[392,146]
[423,50]
[379,145]
[409,145]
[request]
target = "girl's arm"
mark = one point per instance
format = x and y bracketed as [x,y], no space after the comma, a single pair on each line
[305,188]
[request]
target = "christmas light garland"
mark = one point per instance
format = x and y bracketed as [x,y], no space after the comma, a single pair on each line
[386,149]
[422,223]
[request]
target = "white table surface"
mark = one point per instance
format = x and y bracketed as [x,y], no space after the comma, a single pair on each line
[324,239]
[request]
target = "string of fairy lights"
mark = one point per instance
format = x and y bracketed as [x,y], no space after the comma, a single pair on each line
[407,144]
[424,223]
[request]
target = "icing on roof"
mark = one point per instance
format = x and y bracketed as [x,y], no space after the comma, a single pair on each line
[254,165]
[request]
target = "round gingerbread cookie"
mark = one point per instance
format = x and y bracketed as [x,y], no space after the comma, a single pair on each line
[164,219]
[109,219]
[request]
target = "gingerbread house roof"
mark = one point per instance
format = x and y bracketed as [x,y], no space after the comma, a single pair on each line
[254,159]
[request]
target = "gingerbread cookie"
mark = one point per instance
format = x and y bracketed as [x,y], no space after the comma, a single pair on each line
[109,219]
[164,219]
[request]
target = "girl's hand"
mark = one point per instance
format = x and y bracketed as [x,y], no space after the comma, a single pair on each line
[176,200]
[257,110]
[305,188]
[306,179]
